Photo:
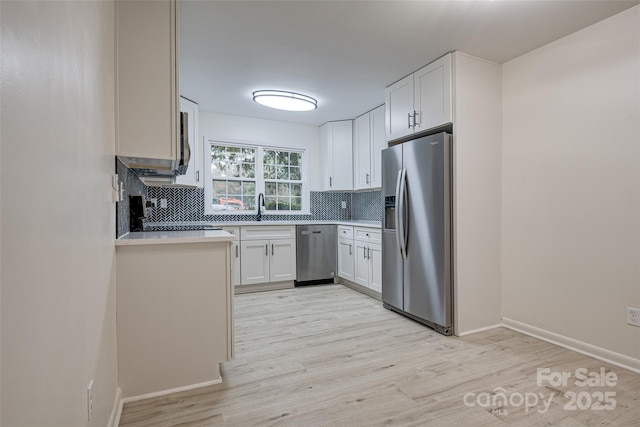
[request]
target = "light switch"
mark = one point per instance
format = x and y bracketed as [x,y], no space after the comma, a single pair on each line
[163,203]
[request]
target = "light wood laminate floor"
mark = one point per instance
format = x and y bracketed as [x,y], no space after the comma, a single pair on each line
[330,356]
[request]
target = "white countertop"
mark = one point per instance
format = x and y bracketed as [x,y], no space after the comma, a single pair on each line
[371,224]
[172,237]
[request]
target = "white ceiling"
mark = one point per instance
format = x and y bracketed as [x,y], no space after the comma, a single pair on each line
[344,53]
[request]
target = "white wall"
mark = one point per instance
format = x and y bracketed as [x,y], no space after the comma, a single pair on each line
[229,128]
[571,186]
[58,225]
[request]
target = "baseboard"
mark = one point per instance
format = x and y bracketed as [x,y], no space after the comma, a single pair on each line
[116,412]
[361,289]
[171,391]
[581,347]
[474,331]
[261,287]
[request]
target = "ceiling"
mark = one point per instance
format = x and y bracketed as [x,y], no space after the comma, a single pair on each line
[344,53]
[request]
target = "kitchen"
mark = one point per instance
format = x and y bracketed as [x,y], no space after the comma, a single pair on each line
[510,282]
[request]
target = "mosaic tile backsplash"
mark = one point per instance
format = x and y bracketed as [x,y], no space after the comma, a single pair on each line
[132,185]
[187,204]
[366,206]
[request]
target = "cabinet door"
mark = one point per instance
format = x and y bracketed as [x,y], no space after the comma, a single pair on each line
[342,155]
[362,264]
[326,154]
[399,105]
[147,110]
[192,177]
[283,260]
[254,260]
[432,94]
[362,152]
[235,263]
[346,258]
[378,143]
[375,265]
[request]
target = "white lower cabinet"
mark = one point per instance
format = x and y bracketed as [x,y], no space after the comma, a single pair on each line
[368,265]
[282,262]
[267,260]
[368,258]
[255,261]
[362,264]
[346,259]
[375,258]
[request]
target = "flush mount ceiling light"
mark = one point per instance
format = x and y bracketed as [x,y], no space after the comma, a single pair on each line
[282,100]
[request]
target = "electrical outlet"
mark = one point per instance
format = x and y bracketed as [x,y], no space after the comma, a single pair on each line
[344,204]
[154,202]
[89,400]
[633,316]
[163,203]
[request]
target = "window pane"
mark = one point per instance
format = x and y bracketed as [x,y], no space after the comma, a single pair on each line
[283,172]
[234,187]
[232,203]
[269,157]
[294,159]
[269,172]
[248,188]
[249,155]
[296,190]
[249,202]
[235,150]
[217,152]
[283,203]
[233,158]
[219,187]
[217,168]
[295,174]
[233,170]
[270,203]
[248,170]
[283,158]
[296,203]
[270,189]
[283,189]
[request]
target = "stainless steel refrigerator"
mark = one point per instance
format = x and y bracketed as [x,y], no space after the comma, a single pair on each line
[416,240]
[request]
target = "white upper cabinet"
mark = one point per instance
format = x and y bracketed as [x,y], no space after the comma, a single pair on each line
[432,94]
[362,152]
[368,142]
[378,143]
[147,84]
[420,101]
[193,176]
[336,156]
[399,103]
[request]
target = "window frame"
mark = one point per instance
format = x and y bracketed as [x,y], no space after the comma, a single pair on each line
[259,176]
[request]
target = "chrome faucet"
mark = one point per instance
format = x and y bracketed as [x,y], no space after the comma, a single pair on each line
[260,205]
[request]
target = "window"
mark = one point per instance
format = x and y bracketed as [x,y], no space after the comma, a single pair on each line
[238,173]
[233,178]
[282,180]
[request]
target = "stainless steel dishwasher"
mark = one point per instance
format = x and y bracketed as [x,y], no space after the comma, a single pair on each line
[316,254]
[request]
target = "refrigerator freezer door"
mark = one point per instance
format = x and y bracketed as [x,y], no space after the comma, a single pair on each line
[427,282]
[392,272]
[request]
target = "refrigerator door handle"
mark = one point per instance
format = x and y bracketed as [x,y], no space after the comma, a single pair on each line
[399,237]
[404,224]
